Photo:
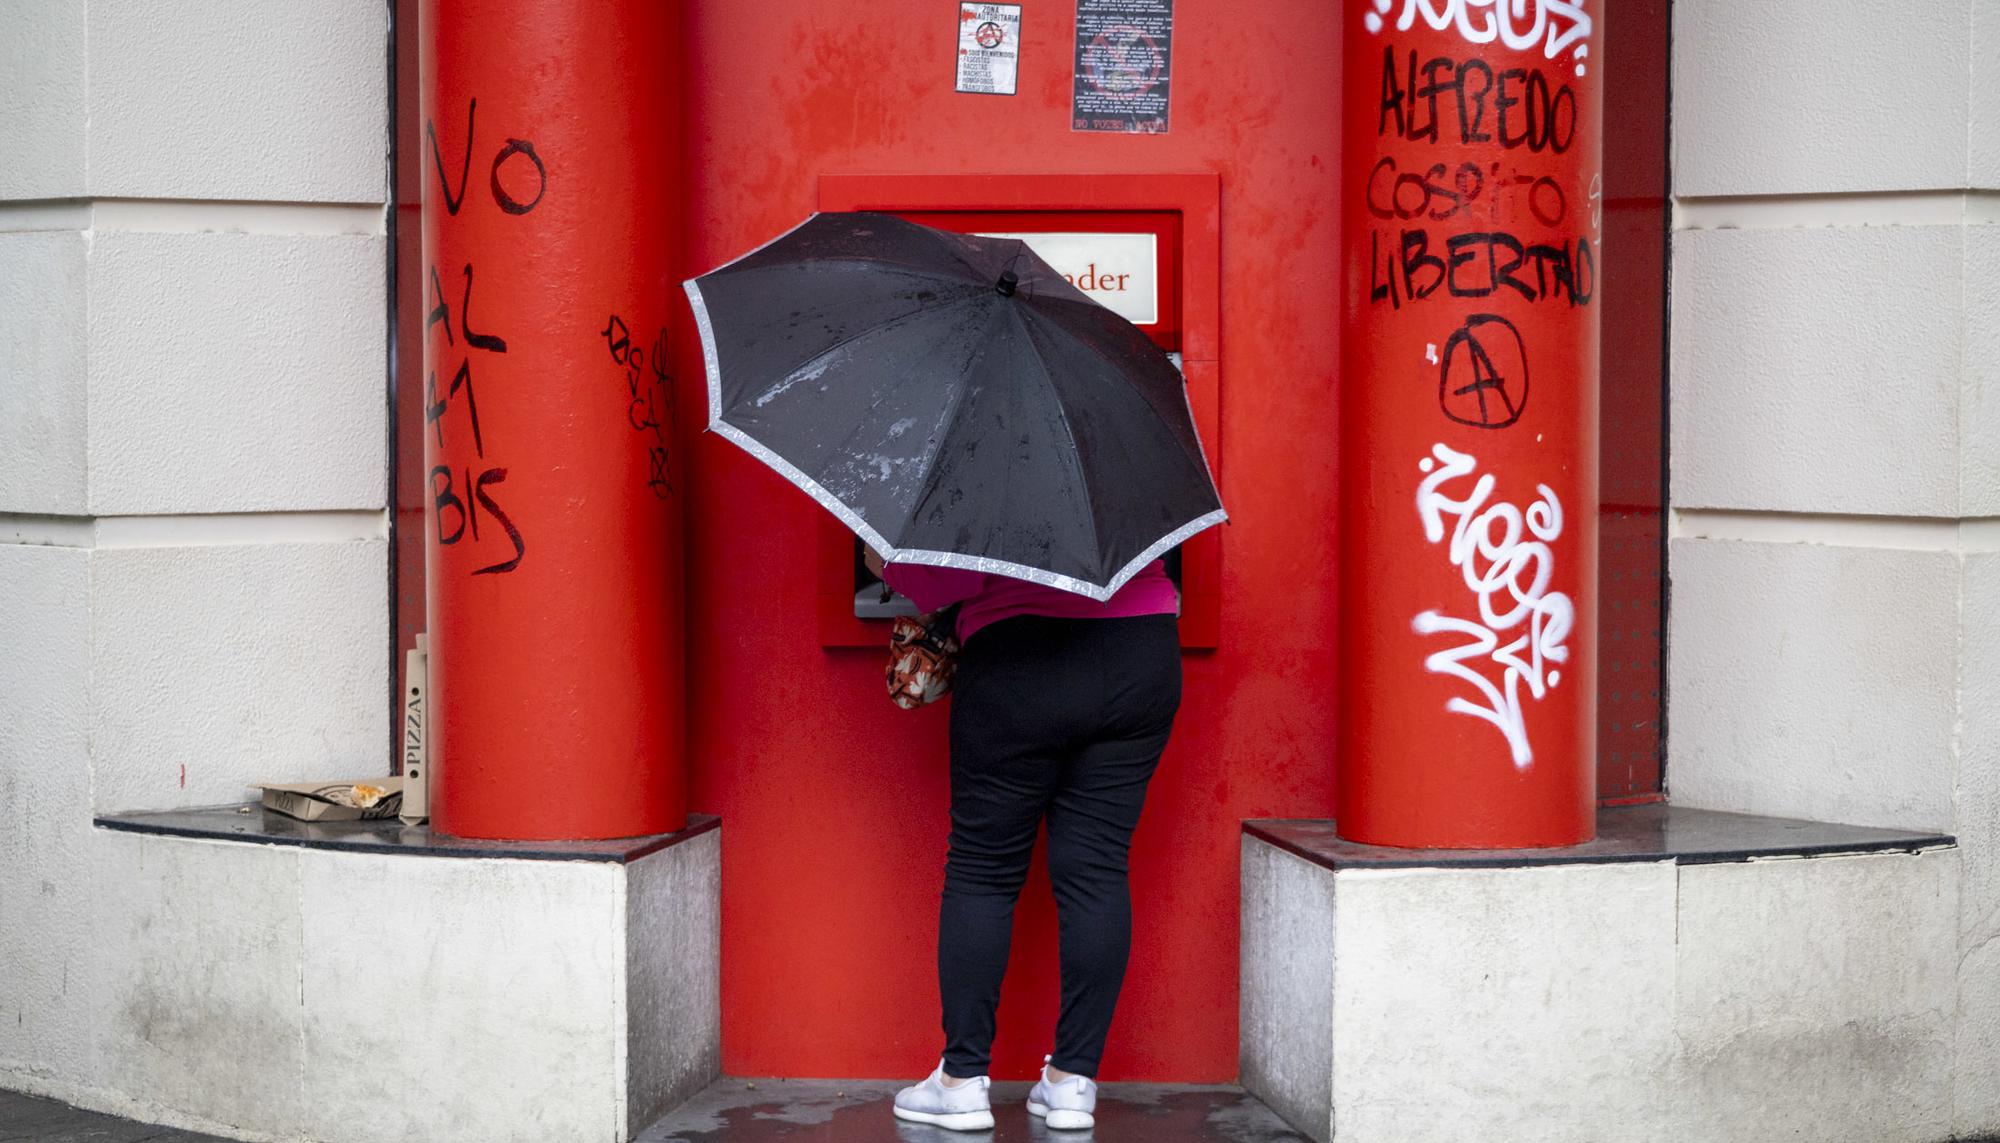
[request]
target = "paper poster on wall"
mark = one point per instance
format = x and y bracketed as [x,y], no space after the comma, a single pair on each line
[989,48]
[1124,59]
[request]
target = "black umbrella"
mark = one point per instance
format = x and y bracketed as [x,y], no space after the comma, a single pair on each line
[954,401]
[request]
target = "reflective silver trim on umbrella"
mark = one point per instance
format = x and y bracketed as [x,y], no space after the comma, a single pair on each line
[1179,535]
[1053,579]
[710,363]
[963,562]
[709,359]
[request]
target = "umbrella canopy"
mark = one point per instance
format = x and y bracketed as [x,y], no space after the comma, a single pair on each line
[954,401]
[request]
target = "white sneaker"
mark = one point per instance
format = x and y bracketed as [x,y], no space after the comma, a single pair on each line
[1069,1105]
[961,1108]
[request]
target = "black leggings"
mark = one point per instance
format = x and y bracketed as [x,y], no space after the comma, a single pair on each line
[1063,719]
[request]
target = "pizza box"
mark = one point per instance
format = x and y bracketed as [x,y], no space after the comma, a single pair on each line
[352,799]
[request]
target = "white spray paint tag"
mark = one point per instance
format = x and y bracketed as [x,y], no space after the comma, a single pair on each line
[1503,554]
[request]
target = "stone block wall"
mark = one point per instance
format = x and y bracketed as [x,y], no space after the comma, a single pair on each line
[193,479]
[1835,552]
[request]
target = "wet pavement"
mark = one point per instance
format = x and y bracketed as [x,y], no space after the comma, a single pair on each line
[27,1117]
[736,1110]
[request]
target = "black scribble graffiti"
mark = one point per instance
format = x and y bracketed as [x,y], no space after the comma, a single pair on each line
[485,499]
[1440,193]
[501,197]
[434,405]
[440,312]
[1479,265]
[442,498]
[1483,379]
[656,472]
[507,202]
[484,341]
[617,338]
[458,506]
[1526,109]
[445,497]
[452,201]
[648,406]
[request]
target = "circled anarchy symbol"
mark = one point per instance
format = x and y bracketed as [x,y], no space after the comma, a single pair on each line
[1483,380]
[989,35]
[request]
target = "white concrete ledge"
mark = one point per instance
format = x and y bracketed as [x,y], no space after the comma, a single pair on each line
[1630,998]
[295,992]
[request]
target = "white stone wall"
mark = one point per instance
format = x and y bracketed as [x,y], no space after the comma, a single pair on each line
[1635,1002]
[193,556]
[1834,646]
[277,993]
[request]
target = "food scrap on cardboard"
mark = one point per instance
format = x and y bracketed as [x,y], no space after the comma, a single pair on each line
[350,800]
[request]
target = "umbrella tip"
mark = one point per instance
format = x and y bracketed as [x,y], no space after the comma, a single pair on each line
[1007,283]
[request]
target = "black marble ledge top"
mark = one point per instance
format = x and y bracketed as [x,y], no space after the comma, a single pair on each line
[1627,833]
[252,823]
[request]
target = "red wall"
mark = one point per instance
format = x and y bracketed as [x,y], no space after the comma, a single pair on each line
[834,801]
[1632,441]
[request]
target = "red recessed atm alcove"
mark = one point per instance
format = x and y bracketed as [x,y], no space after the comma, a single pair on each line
[834,802]
[1182,213]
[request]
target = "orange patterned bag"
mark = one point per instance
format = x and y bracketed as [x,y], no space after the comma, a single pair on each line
[923,656]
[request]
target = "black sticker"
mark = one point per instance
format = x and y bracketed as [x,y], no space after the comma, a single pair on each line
[1124,60]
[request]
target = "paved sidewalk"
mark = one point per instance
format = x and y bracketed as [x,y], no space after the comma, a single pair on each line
[27,1117]
[736,1110]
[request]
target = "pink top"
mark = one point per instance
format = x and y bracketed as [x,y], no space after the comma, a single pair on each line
[991,598]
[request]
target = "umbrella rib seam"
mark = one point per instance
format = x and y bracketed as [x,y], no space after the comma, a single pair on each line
[949,421]
[1201,451]
[950,415]
[1076,454]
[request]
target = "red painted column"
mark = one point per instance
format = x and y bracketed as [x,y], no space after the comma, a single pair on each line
[1471,166]
[553,555]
